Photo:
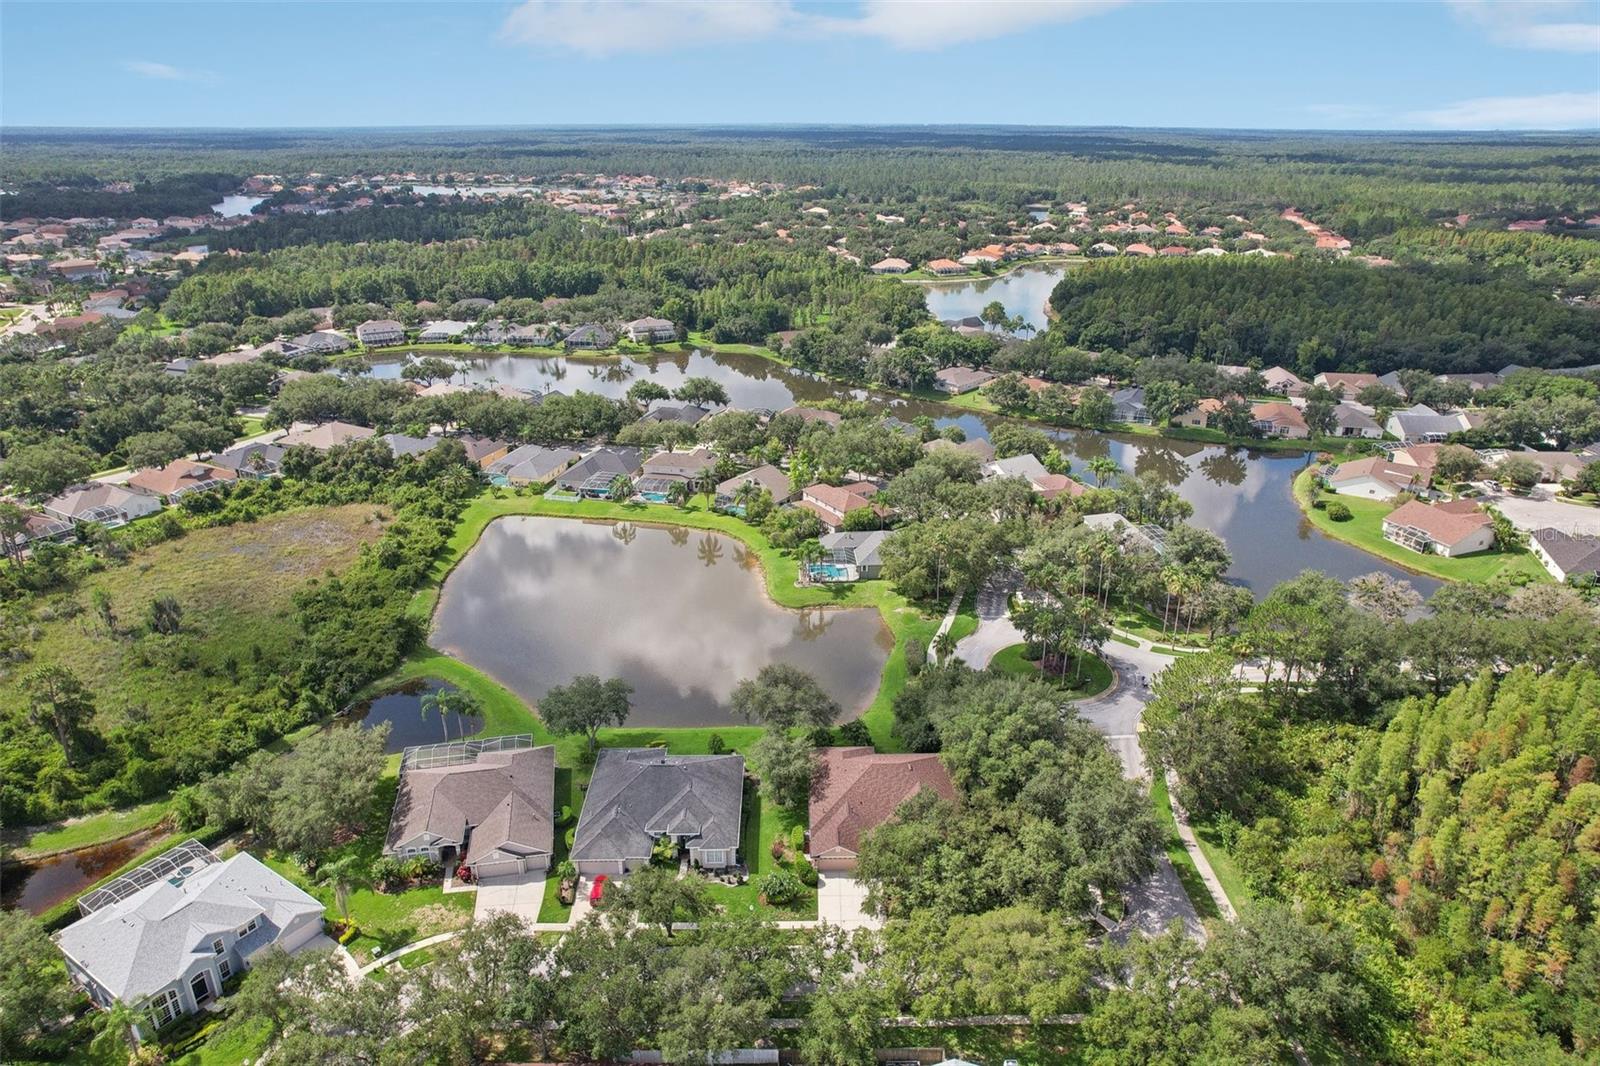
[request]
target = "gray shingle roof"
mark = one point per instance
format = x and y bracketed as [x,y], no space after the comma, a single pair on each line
[603,461]
[861,547]
[141,944]
[505,797]
[639,794]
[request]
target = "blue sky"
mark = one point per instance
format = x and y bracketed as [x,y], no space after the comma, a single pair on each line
[1456,64]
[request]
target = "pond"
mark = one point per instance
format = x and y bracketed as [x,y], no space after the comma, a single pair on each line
[681,614]
[1023,291]
[1243,496]
[472,190]
[402,709]
[237,206]
[37,886]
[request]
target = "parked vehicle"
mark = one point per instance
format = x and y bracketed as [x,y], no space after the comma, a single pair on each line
[598,889]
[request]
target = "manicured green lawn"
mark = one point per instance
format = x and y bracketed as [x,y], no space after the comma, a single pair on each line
[93,829]
[764,822]
[1193,886]
[1042,1045]
[1365,531]
[1096,675]
[1141,622]
[241,1045]
[1222,864]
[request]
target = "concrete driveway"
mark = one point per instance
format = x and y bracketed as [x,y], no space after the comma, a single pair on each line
[519,894]
[841,901]
[1541,510]
[995,630]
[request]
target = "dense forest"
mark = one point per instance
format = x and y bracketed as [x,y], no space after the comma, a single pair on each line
[1313,316]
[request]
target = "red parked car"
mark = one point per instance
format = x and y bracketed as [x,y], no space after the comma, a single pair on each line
[598,889]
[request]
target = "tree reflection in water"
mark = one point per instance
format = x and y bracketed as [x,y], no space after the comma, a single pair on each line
[626,532]
[710,550]
[1225,468]
[812,624]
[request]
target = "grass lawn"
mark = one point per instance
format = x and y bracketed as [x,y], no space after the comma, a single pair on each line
[1188,874]
[1364,530]
[764,822]
[251,425]
[386,920]
[235,584]
[1041,1045]
[1222,864]
[244,1044]
[93,829]
[1096,677]
[569,793]
[1141,622]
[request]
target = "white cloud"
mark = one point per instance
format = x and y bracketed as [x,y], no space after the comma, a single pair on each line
[163,71]
[600,28]
[1552,111]
[1545,25]
[609,27]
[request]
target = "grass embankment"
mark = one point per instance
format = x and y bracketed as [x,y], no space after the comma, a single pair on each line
[1364,530]
[1135,619]
[90,830]
[1194,885]
[1088,676]
[1222,864]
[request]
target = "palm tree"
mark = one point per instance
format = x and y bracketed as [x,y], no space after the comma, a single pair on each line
[115,1038]
[1172,581]
[944,646]
[341,873]
[620,489]
[678,493]
[1103,467]
[708,485]
[809,552]
[746,494]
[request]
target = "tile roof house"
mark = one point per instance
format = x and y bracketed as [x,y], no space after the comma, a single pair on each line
[890,265]
[325,435]
[380,332]
[1279,420]
[1566,555]
[1448,529]
[638,796]
[1377,479]
[532,464]
[766,476]
[954,380]
[180,477]
[491,811]
[1282,381]
[164,937]
[483,450]
[859,550]
[944,267]
[650,330]
[832,502]
[103,504]
[854,790]
[1198,416]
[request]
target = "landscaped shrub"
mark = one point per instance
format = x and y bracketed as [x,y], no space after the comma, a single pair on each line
[797,837]
[780,887]
[780,848]
[715,745]
[806,872]
[1338,511]
[571,836]
[420,867]
[916,655]
[386,872]
[566,871]
[855,734]
[566,814]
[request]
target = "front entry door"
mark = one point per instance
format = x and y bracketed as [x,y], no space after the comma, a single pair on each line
[200,985]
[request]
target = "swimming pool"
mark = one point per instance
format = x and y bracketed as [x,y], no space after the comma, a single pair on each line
[831,572]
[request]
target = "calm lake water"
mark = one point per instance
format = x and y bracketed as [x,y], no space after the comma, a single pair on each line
[471,190]
[1242,496]
[236,205]
[681,614]
[1024,291]
[402,709]
[36,887]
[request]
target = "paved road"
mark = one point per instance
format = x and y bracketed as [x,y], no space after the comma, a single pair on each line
[1116,711]
[995,630]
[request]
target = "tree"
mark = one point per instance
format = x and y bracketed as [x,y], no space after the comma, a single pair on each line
[656,895]
[944,646]
[1094,408]
[146,450]
[586,704]
[1104,468]
[164,615]
[40,470]
[445,702]
[324,787]
[1453,464]
[34,989]
[808,554]
[428,369]
[1391,599]
[1199,725]
[13,530]
[645,391]
[783,697]
[59,702]
[1011,438]
[1008,392]
[1518,471]
[702,391]
[1302,975]
[620,488]
[784,761]
[725,983]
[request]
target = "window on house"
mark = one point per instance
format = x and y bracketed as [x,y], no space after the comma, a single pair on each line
[249,928]
[224,969]
[217,946]
[164,1007]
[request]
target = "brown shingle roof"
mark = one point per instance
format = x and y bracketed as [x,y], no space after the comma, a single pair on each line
[504,797]
[856,789]
[1447,523]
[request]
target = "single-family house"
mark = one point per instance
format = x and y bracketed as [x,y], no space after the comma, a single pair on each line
[832,502]
[814,414]
[1150,538]
[859,550]
[1279,420]
[181,477]
[891,265]
[1354,420]
[1024,466]
[1283,382]
[639,796]
[1475,382]
[36,527]
[593,474]
[1103,249]
[955,380]
[1350,385]
[257,460]
[1127,405]
[589,337]
[1139,248]
[404,444]
[533,336]
[1198,416]
[1377,479]
[689,414]
[1049,486]
[1421,424]
[1566,555]
[766,477]
[325,435]
[484,450]
[1556,466]
[531,464]
[854,790]
[1392,382]
[318,342]
[103,504]
[977,447]
[650,330]
[380,332]
[79,270]
[165,936]
[482,807]
[679,466]
[943,267]
[1449,529]
[445,331]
